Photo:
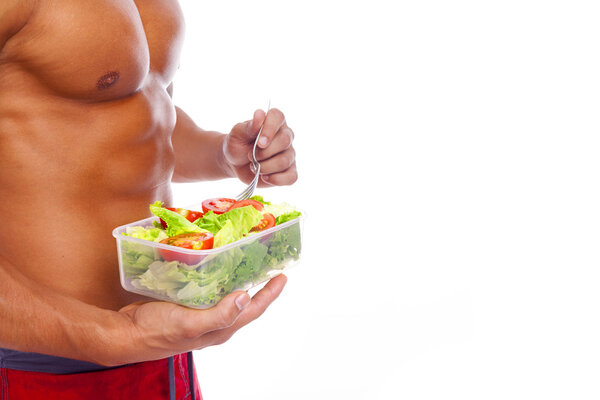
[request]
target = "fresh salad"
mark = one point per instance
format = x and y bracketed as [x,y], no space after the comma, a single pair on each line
[201,279]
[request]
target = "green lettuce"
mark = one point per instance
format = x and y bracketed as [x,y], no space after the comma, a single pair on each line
[136,257]
[283,212]
[287,217]
[279,209]
[225,235]
[283,245]
[140,232]
[251,265]
[230,226]
[210,221]
[164,278]
[177,224]
[259,199]
[237,268]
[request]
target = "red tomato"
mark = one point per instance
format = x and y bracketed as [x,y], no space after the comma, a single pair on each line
[188,214]
[217,205]
[256,204]
[267,222]
[194,241]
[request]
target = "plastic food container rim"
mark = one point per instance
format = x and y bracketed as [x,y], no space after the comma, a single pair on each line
[117,234]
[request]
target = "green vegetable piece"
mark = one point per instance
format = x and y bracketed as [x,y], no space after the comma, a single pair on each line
[218,275]
[279,209]
[177,224]
[287,217]
[210,222]
[140,232]
[259,199]
[230,226]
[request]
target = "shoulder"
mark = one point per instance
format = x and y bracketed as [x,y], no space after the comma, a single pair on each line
[14,15]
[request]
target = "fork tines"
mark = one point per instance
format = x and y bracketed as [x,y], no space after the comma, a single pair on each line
[247,193]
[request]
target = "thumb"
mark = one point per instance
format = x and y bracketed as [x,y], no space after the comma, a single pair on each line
[221,316]
[248,130]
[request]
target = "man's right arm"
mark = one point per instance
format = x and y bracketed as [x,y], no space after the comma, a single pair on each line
[36,319]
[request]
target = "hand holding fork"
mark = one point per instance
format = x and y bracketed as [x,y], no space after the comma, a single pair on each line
[260,151]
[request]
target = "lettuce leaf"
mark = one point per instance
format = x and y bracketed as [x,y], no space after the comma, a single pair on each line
[177,224]
[230,226]
[283,212]
[287,217]
[279,209]
[210,221]
[243,219]
[283,244]
[140,232]
[162,277]
[225,235]
[251,265]
[259,199]
[237,268]
[136,257]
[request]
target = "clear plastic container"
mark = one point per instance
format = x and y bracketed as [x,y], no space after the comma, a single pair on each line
[206,276]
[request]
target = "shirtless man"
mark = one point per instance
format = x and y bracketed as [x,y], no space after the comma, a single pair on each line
[89,137]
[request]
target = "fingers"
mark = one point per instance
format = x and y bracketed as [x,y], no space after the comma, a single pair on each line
[271,126]
[283,178]
[280,178]
[240,141]
[263,299]
[281,141]
[280,169]
[246,132]
[277,161]
[259,304]
[158,329]
[255,124]
[274,150]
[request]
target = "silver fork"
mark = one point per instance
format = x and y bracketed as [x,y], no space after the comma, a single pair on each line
[247,193]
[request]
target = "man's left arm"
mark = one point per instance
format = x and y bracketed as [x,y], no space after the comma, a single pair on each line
[198,153]
[209,155]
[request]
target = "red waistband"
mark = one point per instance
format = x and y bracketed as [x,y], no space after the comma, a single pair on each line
[147,380]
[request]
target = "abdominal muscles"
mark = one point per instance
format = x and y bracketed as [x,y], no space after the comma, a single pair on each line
[71,173]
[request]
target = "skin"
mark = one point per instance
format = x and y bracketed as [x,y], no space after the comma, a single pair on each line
[89,137]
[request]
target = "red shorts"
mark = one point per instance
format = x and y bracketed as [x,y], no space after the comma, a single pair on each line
[147,381]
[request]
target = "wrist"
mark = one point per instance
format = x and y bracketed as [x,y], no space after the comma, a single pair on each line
[108,341]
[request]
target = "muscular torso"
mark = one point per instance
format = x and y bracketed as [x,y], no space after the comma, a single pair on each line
[85,125]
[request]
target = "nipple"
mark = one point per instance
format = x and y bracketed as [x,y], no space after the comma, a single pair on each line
[108,80]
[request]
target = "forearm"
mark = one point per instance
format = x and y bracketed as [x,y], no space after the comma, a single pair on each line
[37,319]
[198,153]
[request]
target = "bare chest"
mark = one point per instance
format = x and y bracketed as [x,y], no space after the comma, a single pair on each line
[99,49]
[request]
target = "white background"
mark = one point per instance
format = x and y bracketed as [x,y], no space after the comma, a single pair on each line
[449,168]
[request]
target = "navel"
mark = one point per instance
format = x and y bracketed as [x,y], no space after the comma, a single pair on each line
[108,80]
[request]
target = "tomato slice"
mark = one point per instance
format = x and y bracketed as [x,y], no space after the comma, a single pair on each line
[193,241]
[244,203]
[267,222]
[188,214]
[194,215]
[217,205]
